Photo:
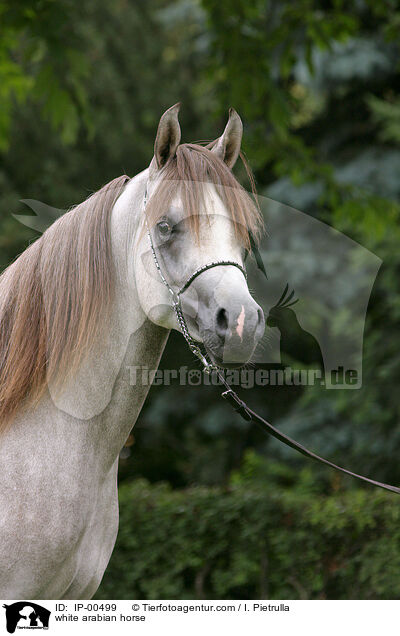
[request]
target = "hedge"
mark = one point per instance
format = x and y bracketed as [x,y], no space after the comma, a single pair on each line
[249,542]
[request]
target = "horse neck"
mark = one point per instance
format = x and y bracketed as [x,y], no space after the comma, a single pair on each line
[108,389]
[134,351]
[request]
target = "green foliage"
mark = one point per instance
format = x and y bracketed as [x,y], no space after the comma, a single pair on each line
[386,113]
[255,46]
[255,539]
[39,60]
[13,85]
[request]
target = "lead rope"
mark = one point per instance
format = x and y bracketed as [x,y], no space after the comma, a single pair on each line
[229,395]
[241,407]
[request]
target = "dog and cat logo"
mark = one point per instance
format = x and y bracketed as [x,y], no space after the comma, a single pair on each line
[26,615]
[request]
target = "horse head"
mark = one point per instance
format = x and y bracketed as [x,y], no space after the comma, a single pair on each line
[199,220]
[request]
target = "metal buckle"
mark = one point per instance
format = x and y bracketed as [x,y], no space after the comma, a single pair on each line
[238,404]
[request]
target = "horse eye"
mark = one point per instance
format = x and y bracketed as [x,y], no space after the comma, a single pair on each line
[164,228]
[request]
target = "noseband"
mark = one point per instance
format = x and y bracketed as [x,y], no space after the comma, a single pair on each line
[176,296]
[229,395]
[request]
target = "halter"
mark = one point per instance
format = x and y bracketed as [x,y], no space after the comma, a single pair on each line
[229,395]
[176,296]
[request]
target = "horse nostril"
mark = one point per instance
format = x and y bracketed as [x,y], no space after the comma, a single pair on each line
[222,322]
[260,315]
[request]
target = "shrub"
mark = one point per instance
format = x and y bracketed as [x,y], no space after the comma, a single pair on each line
[254,539]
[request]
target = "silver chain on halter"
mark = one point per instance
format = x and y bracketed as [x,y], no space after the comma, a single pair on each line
[176,296]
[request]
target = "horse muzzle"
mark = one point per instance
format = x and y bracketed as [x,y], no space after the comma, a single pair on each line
[234,332]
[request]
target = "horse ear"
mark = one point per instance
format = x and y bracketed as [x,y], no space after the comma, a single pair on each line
[228,145]
[168,136]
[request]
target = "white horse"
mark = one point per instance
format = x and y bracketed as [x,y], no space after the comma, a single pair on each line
[80,308]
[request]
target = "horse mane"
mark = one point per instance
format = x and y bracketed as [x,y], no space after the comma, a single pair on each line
[187,172]
[52,298]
